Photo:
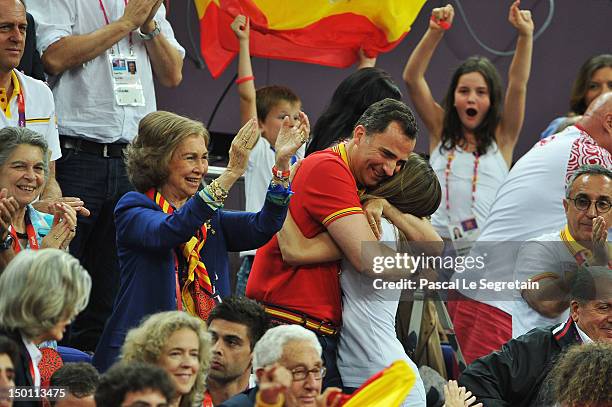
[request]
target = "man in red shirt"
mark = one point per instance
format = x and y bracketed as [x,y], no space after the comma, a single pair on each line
[327,199]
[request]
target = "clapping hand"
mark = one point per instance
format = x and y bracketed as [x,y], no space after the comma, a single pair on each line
[600,241]
[290,139]
[64,226]
[8,211]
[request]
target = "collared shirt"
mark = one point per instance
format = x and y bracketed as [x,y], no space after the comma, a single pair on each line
[39,109]
[35,357]
[85,101]
[585,338]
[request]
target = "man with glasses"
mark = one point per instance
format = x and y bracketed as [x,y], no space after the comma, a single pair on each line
[289,369]
[553,259]
[527,205]
[516,375]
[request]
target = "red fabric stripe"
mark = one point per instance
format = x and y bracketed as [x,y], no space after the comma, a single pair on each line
[332,41]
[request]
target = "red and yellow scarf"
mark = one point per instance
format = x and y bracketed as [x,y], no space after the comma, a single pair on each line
[197,292]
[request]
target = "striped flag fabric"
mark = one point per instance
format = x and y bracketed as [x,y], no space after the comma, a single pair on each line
[324,32]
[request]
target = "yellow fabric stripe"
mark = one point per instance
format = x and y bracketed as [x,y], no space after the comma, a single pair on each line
[299,320]
[393,17]
[347,211]
[47,120]
[16,90]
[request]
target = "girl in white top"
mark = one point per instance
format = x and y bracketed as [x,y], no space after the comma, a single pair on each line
[368,341]
[473,133]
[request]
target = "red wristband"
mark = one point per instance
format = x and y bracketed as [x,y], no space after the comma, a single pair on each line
[244,79]
[445,25]
[280,174]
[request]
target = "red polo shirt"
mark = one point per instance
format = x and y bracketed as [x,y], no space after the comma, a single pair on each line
[325,191]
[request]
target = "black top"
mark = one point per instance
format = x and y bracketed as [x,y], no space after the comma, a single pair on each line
[31,64]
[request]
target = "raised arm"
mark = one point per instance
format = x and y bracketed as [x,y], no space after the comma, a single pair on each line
[414,74]
[246,87]
[518,75]
[365,61]
[297,249]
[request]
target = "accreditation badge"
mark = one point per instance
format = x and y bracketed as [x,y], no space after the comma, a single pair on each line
[463,235]
[125,74]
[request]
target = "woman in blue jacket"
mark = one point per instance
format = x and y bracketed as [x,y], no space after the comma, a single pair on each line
[172,240]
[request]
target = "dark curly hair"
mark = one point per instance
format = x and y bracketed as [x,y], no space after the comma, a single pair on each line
[245,311]
[351,98]
[123,378]
[581,376]
[452,131]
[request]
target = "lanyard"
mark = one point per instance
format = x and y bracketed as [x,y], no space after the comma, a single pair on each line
[32,240]
[21,108]
[451,157]
[108,22]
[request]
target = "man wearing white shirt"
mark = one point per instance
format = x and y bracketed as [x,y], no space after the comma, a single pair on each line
[527,204]
[553,258]
[86,47]
[25,101]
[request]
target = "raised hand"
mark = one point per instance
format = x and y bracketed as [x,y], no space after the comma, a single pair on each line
[241,27]
[274,383]
[455,396]
[290,139]
[241,147]
[442,18]
[8,210]
[520,19]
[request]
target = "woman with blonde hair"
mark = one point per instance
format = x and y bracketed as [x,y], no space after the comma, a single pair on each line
[173,237]
[180,344]
[42,291]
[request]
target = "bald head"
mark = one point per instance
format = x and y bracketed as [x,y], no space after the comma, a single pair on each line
[597,120]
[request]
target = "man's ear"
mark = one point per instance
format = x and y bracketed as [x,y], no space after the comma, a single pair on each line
[359,134]
[565,205]
[574,310]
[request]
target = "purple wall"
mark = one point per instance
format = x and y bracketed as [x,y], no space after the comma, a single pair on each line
[578,30]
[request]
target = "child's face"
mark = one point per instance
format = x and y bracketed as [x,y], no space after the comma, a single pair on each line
[272,123]
[472,99]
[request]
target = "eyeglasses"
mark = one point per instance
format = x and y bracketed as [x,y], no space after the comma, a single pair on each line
[582,203]
[300,373]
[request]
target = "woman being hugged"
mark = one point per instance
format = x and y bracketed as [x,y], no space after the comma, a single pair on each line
[473,133]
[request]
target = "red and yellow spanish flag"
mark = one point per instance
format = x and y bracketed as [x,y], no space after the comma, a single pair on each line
[324,32]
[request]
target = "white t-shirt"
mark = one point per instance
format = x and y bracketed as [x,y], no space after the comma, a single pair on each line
[368,342]
[529,203]
[39,112]
[544,254]
[84,97]
[492,170]
[258,176]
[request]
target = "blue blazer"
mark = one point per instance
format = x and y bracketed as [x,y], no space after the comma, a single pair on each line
[146,239]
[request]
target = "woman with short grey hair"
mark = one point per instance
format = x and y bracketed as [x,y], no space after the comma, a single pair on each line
[42,291]
[24,169]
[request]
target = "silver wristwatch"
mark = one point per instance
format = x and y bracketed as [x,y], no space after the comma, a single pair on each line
[152,34]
